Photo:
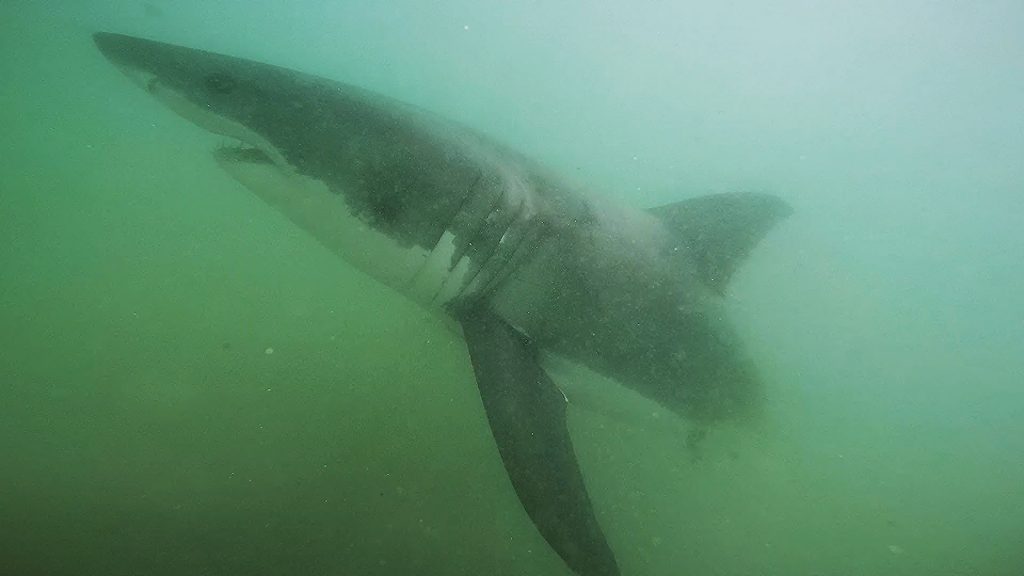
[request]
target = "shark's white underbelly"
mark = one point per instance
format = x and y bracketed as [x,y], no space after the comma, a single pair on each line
[323,214]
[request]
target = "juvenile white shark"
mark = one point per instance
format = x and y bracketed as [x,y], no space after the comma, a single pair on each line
[523,262]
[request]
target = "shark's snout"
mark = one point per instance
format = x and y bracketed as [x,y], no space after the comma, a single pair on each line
[125,53]
[115,47]
[191,83]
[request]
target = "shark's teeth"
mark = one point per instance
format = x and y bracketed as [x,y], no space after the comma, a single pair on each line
[230,145]
[237,151]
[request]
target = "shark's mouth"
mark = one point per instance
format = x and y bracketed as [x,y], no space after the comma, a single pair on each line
[240,152]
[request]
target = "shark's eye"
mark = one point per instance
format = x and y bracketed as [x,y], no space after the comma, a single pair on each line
[219,83]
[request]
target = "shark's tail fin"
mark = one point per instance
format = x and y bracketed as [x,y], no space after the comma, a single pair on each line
[719,230]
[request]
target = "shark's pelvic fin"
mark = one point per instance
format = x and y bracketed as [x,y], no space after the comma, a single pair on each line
[719,230]
[527,414]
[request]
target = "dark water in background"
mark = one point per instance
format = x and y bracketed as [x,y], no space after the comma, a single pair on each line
[145,428]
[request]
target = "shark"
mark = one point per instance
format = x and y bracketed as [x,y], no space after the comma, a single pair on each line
[526,265]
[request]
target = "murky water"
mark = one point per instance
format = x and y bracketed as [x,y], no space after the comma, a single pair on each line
[190,385]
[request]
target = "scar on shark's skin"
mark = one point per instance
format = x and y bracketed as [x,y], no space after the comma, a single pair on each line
[529,266]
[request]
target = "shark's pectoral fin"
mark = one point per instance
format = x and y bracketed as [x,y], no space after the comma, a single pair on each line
[527,414]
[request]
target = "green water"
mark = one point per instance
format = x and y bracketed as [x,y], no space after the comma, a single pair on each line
[191,386]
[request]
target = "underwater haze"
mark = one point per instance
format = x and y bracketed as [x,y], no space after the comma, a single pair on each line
[191,385]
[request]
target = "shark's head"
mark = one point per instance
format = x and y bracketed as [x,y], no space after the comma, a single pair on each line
[398,174]
[225,95]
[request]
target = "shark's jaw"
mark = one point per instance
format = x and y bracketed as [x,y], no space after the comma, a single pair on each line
[244,145]
[240,153]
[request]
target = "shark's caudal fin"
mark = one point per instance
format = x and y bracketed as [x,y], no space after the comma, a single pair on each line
[527,414]
[719,230]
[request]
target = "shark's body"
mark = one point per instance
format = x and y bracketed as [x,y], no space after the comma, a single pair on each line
[524,263]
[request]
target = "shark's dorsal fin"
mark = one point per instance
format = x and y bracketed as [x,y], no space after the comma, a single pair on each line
[716,232]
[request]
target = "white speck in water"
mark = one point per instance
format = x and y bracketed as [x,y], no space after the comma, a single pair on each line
[895,549]
[466,27]
[268,351]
